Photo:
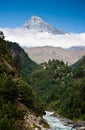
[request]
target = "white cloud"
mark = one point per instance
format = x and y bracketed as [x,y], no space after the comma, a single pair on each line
[31,39]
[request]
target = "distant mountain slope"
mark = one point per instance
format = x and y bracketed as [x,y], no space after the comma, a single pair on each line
[20,59]
[46,53]
[80,62]
[77,48]
[79,68]
[38,24]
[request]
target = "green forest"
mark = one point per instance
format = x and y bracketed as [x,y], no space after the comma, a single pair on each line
[50,86]
[16,95]
[61,87]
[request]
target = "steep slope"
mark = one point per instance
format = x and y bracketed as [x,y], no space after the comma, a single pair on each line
[17,99]
[46,53]
[38,24]
[20,59]
[79,68]
[80,62]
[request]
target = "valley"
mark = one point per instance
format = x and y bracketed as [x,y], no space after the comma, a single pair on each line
[43,77]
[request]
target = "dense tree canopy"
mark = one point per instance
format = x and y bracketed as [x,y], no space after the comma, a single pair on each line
[14,90]
[61,87]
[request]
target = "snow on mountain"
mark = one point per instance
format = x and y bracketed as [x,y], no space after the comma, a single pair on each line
[35,32]
[38,24]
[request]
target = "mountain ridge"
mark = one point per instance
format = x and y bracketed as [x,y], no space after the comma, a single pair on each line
[77,48]
[46,53]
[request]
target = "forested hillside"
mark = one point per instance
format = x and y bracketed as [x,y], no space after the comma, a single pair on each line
[62,87]
[20,59]
[16,95]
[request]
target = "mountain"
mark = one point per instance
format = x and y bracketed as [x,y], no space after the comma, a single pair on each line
[36,32]
[46,53]
[60,87]
[38,24]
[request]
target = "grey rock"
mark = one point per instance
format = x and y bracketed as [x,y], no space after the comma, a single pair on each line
[80,128]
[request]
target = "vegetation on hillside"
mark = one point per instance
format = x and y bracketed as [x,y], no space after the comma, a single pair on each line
[61,87]
[2,35]
[14,90]
[20,59]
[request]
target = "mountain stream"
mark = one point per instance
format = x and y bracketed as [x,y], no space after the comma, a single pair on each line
[55,122]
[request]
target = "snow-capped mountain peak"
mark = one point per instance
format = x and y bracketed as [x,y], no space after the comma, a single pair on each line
[36,19]
[38,24]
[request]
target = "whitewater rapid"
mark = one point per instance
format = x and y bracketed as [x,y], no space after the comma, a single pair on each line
[55,123]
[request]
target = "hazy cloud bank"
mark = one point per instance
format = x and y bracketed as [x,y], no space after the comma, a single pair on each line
[30,38]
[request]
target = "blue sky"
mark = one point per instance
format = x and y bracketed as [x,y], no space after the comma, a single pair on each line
[68,15]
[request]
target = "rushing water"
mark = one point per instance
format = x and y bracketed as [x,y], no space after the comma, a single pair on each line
[55,123]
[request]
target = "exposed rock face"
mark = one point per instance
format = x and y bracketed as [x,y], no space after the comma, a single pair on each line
[39,25]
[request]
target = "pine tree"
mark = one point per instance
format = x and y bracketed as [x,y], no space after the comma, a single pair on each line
[2,35]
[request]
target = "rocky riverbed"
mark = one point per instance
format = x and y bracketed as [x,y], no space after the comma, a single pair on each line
[51,122]
[57,123]
[79,125]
